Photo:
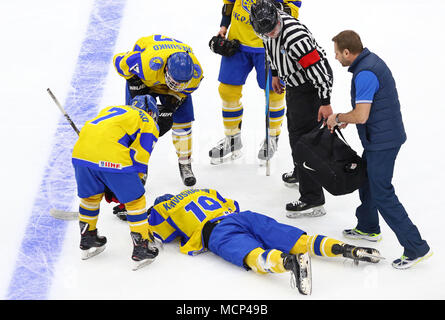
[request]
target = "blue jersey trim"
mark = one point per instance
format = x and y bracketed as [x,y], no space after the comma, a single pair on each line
[251,49]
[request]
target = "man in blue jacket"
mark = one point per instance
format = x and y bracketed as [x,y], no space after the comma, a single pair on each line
[376,112]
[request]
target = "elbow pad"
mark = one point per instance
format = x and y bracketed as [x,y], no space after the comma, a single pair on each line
[227,9]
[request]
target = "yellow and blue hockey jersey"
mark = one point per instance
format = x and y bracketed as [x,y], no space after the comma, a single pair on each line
[241,28]
[185,214]
[118,139]
[148,60]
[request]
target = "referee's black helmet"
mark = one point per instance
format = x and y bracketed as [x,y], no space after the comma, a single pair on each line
[263,16]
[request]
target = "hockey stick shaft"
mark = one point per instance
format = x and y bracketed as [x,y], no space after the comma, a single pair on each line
[63,111]
[267,141]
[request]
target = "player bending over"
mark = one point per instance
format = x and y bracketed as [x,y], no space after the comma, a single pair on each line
[110,156]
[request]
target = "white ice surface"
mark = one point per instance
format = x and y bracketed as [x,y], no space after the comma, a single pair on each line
[40,44]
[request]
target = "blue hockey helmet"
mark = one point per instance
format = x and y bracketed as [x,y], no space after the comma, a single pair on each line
[179,71]
[148,104]
[163,198]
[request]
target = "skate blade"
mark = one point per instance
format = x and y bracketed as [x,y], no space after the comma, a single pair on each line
[86,254]
[230,157]
[359,237]
[313,213]
[292,185]
[140,264]
[304,283]
[375,258]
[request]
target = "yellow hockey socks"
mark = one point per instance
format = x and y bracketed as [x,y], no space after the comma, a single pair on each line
[316,245]
[89,210]
[265,261]
[232,108]
[182,139]
[276,113]
[137,216]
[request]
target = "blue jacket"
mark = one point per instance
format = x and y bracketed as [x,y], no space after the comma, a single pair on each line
[384,128]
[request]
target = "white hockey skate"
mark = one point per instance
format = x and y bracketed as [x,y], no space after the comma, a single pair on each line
[227,149]
[273,146]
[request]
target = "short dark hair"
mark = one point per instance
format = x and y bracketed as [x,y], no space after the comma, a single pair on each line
[350,40]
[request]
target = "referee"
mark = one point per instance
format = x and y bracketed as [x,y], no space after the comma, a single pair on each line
[301,63]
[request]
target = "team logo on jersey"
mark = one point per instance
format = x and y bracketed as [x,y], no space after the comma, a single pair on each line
[197,72]
[246,4]
[156,63]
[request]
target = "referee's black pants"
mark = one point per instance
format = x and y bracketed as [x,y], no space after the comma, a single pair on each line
[303,103]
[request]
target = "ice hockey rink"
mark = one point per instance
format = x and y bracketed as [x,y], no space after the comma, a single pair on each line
[68,46]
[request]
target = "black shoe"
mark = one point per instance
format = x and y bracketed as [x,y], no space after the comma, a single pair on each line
[187,176]
[91,244]
[290,178]
[357,253]
[300,208]
[144,252]
[120,211]
[300,267]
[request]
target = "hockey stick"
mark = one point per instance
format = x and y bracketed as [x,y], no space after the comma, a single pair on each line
[61,214]
[267,141]
[63,111]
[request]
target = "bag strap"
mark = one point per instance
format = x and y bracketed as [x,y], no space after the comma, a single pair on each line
[318,136]
[336,128]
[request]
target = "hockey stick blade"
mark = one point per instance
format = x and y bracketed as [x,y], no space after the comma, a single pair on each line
[64,215]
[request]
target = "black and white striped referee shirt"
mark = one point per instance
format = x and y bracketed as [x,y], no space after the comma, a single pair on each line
[296,58]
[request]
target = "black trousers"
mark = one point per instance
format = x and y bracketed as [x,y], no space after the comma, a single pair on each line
[303,103]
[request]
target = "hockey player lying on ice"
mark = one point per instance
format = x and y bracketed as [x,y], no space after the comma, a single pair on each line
[206,221]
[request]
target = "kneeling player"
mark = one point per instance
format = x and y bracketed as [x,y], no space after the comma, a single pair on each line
[204,220]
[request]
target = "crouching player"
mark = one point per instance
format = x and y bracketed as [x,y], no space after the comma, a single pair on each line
[206,221]
[111,154]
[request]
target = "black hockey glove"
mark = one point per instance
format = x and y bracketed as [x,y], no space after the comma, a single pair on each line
[223,46]
[172,103]
[165,119]
[166,111]
[136,86]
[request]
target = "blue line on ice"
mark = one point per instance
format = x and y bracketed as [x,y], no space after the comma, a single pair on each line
[44,235]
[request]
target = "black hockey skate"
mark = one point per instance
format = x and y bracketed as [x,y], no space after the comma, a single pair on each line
[91,244]
[357,253]
[301,271]
[227,149]
[144,252]
[120,211]
[290,179]
[187,176]
[298,209]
